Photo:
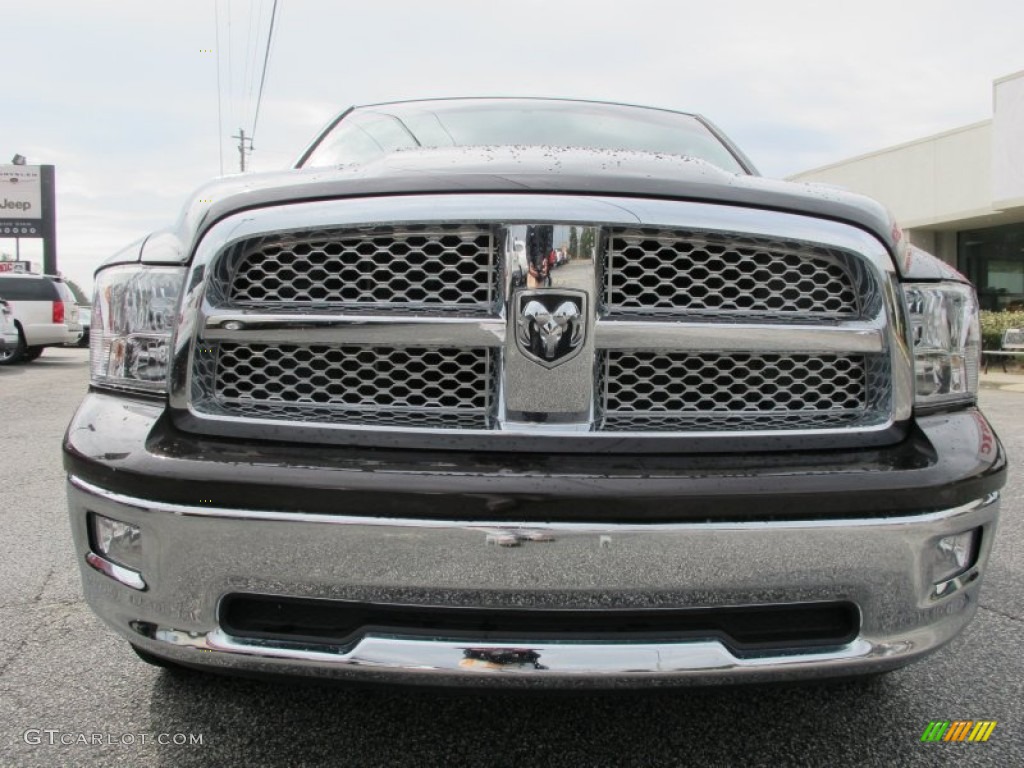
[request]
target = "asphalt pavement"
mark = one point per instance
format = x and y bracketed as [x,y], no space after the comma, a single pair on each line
[72,693]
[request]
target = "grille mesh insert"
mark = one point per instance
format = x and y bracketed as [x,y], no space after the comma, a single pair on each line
[678,272]
[405,268]
[653,391]
[356,385]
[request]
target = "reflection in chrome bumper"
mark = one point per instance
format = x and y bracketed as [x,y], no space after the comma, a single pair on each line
[194,555]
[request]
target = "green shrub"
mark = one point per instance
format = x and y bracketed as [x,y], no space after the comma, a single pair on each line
[994,323]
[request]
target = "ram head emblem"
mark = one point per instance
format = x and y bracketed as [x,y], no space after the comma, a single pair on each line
[550,326]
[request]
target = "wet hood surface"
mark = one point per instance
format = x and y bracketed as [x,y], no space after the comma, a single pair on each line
[511,169]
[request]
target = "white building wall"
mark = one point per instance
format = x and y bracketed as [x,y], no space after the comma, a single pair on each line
[1008,142]
[965,179]
[925,183]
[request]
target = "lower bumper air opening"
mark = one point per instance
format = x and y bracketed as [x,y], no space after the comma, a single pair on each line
[343,623]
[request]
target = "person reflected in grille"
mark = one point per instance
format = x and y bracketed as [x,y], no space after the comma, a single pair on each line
[539,241]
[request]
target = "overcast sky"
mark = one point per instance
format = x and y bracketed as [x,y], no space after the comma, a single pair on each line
[122,96]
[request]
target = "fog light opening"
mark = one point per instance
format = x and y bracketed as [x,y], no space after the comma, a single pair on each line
[116,549]
[954,555]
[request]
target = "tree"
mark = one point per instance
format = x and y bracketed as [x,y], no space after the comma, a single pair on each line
[588,243]
[79,294]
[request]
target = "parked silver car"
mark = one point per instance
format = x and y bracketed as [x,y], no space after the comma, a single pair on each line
[85,320]
[8,330]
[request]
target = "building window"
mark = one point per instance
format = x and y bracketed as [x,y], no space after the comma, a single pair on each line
[993,259]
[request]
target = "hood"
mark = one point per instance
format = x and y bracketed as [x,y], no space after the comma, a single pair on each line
[512,169]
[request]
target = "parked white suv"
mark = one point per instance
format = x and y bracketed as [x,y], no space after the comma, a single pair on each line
[45,315]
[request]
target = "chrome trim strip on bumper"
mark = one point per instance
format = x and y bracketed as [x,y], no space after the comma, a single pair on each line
[117,572]
[896,521]
[566,661]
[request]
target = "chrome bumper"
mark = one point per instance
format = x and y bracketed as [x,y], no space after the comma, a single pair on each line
[194,555]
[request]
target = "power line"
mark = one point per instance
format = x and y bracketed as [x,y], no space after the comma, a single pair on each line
[263,75]
[220,121]
[231,70]
[249,80]
[245,70]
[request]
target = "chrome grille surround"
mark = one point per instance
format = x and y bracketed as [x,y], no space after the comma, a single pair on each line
[578,407]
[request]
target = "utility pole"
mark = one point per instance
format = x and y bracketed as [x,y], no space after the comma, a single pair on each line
[242,149]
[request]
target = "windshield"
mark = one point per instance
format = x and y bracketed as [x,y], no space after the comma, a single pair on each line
[368,133]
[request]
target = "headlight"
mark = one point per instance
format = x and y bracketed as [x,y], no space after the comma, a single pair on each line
[946,340]
[133,314]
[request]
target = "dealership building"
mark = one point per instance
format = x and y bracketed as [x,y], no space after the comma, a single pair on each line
[958,194]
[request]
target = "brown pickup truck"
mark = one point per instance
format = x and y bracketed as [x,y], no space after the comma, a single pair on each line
[334,429]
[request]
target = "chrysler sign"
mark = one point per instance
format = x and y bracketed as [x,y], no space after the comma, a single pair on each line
[28,207]
[20,192]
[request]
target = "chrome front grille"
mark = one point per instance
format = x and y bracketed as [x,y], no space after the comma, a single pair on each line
[676,272]
[409,386]
[422,268]
[699,323]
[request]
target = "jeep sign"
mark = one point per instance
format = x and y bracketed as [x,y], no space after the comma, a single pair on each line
[20,192]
